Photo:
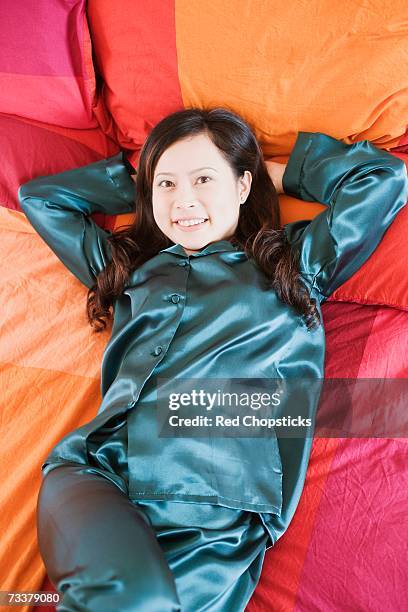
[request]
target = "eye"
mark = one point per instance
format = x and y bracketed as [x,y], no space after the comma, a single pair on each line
[200,177]
[164,181]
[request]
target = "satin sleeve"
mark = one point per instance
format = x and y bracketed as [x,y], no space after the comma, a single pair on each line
[59,206]
[363,187]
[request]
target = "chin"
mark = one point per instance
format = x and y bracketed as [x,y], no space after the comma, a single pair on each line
[196,246]
[193,242]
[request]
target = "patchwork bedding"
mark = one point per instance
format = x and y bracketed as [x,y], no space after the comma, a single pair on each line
[79,81]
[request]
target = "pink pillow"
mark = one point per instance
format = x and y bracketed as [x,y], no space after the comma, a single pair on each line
[46,70]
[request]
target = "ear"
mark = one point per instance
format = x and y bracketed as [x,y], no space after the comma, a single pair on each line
[245,184]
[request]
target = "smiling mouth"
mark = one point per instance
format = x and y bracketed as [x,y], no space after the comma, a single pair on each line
[191,222]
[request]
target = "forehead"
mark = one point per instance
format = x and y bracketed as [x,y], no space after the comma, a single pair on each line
[190,153]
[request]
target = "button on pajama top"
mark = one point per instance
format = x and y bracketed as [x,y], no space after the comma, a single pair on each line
[212,315]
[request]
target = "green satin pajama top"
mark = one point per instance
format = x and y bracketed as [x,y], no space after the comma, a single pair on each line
[210,315]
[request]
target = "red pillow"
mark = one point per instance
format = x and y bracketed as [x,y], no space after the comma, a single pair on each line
[383,279]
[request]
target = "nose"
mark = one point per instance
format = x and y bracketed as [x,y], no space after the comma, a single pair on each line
[185,196]
[182,205]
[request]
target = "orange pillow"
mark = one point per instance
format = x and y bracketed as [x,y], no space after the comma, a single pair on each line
[285,66]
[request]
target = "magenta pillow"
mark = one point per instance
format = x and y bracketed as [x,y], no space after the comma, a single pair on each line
[46,70]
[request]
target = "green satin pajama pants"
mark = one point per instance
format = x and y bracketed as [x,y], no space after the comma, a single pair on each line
[106,553]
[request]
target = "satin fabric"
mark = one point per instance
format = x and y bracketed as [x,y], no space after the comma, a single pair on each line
[145,555]
[211,315]
[215,553]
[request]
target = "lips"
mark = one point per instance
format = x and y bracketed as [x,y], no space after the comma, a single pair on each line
[190,224]
[191,221]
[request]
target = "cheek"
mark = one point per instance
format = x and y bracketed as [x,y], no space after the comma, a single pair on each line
[160,213]
[229,215]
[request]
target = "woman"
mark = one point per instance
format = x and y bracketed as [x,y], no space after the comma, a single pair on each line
[205,284]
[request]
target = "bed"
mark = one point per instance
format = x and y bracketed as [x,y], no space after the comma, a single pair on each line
[82,80]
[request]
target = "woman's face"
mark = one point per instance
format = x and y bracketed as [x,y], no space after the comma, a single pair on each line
[196,197]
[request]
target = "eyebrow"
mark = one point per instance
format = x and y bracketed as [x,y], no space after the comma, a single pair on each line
[192,172]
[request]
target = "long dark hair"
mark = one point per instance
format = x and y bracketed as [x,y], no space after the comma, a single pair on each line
[258,232]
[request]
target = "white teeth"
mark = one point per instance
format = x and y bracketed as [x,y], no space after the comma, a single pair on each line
[187,222]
